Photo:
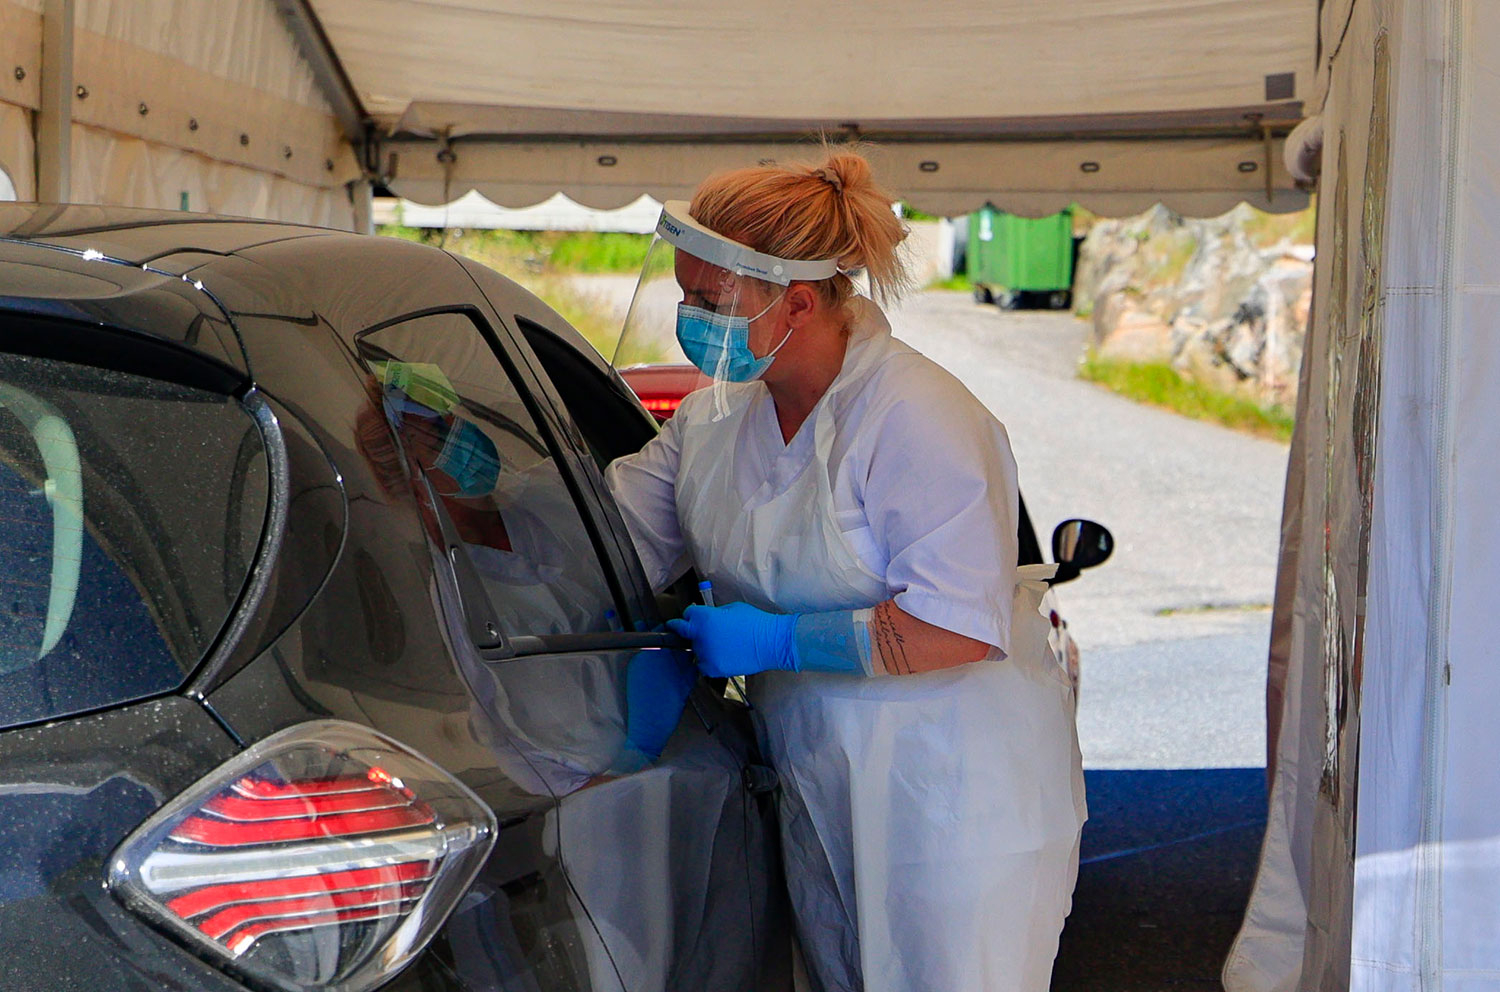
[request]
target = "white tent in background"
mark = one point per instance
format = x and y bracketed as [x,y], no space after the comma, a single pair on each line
[1381,869]
[556,213]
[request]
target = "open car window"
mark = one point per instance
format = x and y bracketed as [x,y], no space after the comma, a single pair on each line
[131,510]
[478,462]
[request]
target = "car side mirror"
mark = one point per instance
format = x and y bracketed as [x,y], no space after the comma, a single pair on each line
[1079,544]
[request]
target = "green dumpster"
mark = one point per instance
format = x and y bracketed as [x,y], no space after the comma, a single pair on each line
[1019,260]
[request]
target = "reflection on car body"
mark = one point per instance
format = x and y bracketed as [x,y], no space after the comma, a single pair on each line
[264,548]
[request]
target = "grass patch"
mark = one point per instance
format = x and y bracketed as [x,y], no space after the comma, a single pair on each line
[526,257]
[599,251]
[1202,608]
[958,282]
[551,251]
[1160,385]
[1176,254]
[1300,227]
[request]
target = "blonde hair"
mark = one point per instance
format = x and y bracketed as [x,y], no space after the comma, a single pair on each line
[833,210]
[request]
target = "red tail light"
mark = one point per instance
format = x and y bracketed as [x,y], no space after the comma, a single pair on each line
[661,406]
[324,857]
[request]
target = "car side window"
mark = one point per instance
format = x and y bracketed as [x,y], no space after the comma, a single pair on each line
[131,511]
[480,465]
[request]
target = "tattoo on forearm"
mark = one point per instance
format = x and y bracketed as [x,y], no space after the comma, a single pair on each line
[892,644]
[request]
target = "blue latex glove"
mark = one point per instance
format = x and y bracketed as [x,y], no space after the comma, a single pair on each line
[657,684]
[738,639]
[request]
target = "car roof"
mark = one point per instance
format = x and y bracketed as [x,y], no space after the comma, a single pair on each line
[139,236]
[254,277]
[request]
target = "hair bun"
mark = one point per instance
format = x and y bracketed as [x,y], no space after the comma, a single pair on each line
[783,210]
[853,171]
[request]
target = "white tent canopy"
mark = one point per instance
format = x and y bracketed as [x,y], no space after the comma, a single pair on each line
[283,108]
[263,107]
[1118,102]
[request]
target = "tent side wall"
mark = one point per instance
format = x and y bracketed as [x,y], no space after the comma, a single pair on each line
[1381,867]
[180,105]
[1297,927]
[1427,869]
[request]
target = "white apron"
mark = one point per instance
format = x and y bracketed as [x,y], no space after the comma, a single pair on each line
[930,823]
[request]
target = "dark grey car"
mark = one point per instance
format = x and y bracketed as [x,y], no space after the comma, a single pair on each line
[282,704]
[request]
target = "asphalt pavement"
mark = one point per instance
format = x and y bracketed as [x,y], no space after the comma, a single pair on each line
[1173,632]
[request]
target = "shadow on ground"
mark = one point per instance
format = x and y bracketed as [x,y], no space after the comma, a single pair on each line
[1165,871]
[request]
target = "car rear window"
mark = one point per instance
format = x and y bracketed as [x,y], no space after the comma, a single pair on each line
[130,511]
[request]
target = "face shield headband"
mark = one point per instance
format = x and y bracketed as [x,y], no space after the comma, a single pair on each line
[678,228]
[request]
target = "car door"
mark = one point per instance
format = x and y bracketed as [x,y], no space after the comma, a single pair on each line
[609,422]
[547,628]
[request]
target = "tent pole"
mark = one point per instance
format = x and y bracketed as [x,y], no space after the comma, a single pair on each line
[54,125]
[362,192]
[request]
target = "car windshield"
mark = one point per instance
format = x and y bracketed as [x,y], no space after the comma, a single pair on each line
[130,510]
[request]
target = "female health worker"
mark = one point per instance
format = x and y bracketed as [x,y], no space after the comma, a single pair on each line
[856,511]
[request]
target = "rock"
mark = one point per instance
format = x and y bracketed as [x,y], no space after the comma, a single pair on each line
[1202,295]
[1127,330]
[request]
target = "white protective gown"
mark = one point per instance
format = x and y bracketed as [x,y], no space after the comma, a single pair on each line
[930,823]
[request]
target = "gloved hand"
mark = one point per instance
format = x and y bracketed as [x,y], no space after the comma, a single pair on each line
[738,639]
[657,684]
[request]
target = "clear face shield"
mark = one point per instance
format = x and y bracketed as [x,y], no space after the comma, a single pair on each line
[709,302]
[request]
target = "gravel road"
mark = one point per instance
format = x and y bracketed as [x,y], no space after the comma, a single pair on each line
[1171,714]
[1174,627]
[1173,631]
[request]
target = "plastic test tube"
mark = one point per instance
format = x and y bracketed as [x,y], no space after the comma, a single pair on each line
[706,590]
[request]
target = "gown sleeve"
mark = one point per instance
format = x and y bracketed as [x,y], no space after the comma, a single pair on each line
[645,487]
[941,499]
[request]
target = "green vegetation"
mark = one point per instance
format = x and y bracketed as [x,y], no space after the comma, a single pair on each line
[544,262]
[1160,385]
[958,282]
[908,212]
[1266,229]
[1083,220]
[599,251]
[1175,254]
[551,251]
[1202,608]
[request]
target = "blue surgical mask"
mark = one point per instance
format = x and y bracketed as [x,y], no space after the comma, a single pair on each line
[470,458]
[719,343]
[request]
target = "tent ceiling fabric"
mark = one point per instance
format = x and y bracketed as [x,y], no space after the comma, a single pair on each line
[722,82]
[790,59]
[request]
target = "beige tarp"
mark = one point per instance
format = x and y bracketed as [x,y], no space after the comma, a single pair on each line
[1116,103]
[17,156]
[792,59]
[181,102]
[220,105]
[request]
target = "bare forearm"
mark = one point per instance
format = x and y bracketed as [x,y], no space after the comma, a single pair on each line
[904,645]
